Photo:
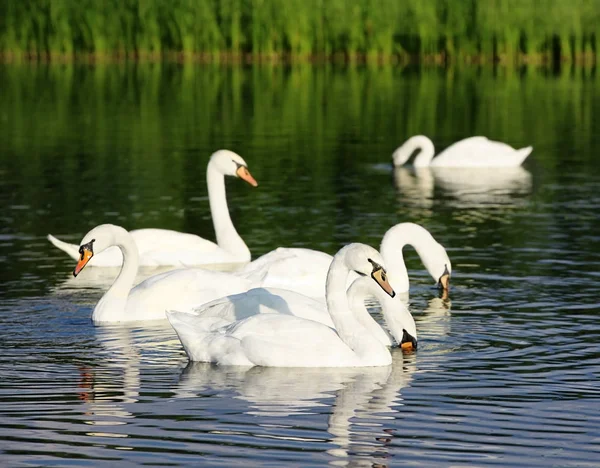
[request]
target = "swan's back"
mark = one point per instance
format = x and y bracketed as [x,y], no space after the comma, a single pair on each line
[297,269]
[265,301]
[181,289]
[166,247]
[262,340]
[479,151]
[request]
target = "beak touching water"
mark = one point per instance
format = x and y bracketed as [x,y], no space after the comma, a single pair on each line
[86,253]
[444,281]
[244,174]
[408,343]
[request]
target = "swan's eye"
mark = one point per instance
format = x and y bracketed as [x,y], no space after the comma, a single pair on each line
[376,266]
[87,247]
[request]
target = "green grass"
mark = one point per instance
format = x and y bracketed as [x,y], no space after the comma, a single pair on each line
[511,31]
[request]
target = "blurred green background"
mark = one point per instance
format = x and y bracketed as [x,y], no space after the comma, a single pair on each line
[511,31]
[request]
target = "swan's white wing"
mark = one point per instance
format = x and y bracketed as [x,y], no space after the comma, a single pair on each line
[479,151]
[265,301]
[266,340]
[180,289]
[295,269]
[285,261]
[165,247]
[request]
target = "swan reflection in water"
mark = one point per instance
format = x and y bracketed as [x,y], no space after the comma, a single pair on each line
[361,402]
[433,322]
[467,187]
[360,406]
[110,385]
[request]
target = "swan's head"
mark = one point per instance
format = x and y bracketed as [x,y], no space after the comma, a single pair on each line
[444,281]
[432,253]
[398,318]
[438,265]
[404,152]
[367,261]
[98,239]
[408,341]
[400,322]
[232,164]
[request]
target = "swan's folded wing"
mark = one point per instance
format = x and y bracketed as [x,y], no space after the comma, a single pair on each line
[258,269]
[265,340]
[478,151]
[205,340]
[296,269]
[289,341]
[185,289]
[165,247]
[290,261]
[265,301]
[149,240]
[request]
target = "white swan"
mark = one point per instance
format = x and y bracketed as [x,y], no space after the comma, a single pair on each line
[165,247]
[305,270]
[281,340]
[471,152]
[182,289]
[398,319]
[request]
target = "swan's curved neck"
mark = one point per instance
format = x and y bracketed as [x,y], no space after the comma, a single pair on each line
[361,289]
[348,327]
[393,242]
[113,302]
[227,237]
[427,152]
[337,300]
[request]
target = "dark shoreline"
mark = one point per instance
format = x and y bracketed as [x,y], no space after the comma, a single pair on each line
[441,59]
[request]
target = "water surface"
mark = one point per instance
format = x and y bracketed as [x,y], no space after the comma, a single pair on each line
[507,370]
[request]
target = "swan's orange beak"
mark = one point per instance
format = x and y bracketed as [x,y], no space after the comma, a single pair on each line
[244,174]
[86,256]
[444,281]
[408,343]
[380,276]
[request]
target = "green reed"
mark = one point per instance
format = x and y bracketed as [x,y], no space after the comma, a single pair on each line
[373,30]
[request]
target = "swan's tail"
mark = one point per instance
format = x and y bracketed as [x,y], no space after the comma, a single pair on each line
[71,249]
[523,153]
[194,333]
[194,323]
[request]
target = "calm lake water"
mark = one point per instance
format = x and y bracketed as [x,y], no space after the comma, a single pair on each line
[507,372]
